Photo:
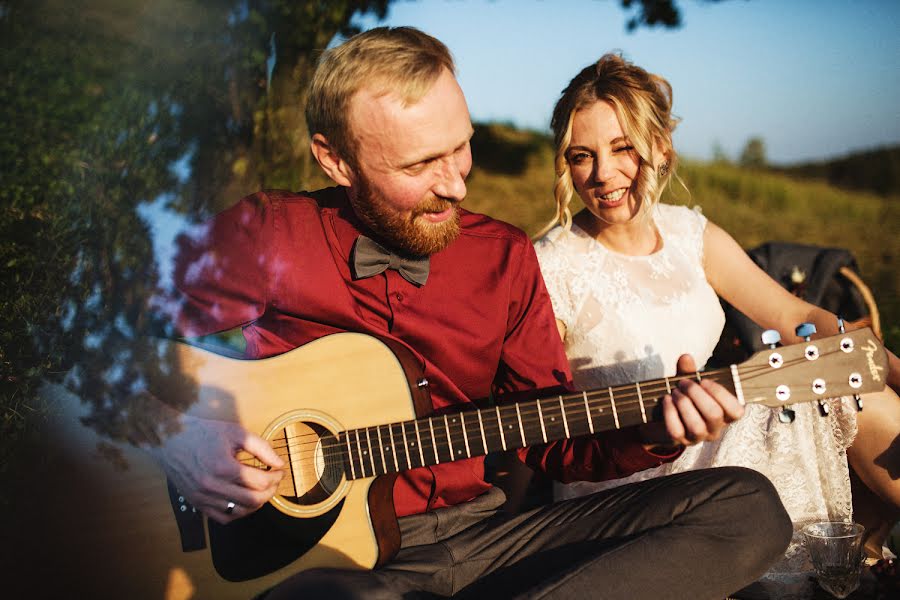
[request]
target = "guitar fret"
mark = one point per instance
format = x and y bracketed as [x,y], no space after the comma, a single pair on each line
[393,448]
[562,410]
[437,459]
[462,423]
[668,386]
[587,411]
[449,441]
[405,444]
[612,403]
[350,455]
[362,463]
[500,427]
[641,401]
[381,448]
[481,427]
[419,440]
[738,390]
[371,454]
[521,430]
[541,420]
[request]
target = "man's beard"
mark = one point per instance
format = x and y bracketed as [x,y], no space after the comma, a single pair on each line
[411,233]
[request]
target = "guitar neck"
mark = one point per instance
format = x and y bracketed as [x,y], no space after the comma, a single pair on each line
[448,437]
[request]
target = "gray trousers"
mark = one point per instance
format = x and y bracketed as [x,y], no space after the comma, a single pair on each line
[695,535]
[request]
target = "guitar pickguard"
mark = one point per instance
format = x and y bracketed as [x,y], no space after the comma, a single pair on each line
[265,541]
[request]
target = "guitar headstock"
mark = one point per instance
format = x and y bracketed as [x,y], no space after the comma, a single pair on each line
[849,363]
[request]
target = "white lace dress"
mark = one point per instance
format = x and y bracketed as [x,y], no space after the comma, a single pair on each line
[629,318]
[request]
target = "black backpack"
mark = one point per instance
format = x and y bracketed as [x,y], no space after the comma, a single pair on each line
[826,277]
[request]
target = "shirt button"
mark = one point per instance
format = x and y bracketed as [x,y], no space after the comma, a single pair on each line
[399,297]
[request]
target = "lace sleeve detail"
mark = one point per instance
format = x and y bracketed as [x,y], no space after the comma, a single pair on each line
[685,227]
[556,268]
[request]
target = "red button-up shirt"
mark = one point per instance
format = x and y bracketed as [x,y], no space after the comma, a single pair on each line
[277,265]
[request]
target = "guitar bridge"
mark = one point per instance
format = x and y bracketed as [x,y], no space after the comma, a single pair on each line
[189,521]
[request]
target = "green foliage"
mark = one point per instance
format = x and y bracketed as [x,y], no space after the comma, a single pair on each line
[753,156]
[105,108]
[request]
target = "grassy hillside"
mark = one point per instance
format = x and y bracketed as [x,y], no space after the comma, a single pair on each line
[875,170]
[753,206]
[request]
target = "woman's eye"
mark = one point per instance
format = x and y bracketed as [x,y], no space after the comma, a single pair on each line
[579,158]
[624,149]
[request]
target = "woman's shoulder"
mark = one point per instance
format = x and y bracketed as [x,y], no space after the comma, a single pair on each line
[557,241]
[681,219]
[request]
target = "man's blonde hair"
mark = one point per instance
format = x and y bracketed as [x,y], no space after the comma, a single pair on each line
[642,102]
[401,60]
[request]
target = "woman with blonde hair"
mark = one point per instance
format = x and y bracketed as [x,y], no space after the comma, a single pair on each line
[636,283]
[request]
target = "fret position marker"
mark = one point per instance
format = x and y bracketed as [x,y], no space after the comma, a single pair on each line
[449,441]
[371,454]
[362,464]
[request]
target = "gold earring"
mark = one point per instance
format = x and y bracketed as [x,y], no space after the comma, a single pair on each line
[663,169]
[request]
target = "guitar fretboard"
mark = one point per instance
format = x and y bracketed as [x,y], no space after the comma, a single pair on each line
[394,447]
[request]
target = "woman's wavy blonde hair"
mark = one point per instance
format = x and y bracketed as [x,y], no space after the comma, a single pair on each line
[643,103]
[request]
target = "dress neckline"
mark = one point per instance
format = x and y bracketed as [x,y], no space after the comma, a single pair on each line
[595,243]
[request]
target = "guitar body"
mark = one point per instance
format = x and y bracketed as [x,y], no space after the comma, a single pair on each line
[103,523]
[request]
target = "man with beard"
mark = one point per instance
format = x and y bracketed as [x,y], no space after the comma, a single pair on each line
[390,253]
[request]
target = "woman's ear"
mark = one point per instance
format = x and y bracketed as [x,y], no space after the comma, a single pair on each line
[331,162]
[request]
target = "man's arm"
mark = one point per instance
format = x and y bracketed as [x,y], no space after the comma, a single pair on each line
[221,283]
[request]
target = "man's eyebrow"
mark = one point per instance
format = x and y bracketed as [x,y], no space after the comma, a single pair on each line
[437,155]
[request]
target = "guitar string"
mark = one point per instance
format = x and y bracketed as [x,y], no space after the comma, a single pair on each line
[623,402]
[531,417]
[624,406]
[528,410]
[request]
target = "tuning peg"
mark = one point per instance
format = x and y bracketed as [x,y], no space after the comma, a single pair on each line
[859,402]
[786,415]
[823,408]
[841,328]
[770,337]
[805,330]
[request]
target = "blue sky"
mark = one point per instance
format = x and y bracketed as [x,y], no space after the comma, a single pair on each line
[814,79]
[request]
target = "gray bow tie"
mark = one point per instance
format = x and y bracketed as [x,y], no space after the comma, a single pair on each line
[370,258]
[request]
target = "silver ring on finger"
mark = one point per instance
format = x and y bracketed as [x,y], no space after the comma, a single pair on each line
[229,508]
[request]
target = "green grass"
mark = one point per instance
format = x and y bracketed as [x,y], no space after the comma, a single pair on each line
[753,206]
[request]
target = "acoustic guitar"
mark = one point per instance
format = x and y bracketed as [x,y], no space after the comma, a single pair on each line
[347,412]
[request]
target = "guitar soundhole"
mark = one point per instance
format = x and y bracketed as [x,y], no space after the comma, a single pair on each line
[315,462]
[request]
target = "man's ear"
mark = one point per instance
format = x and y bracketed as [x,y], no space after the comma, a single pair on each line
[331,162]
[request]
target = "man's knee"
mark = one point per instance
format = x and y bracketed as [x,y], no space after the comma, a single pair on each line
[761,517]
